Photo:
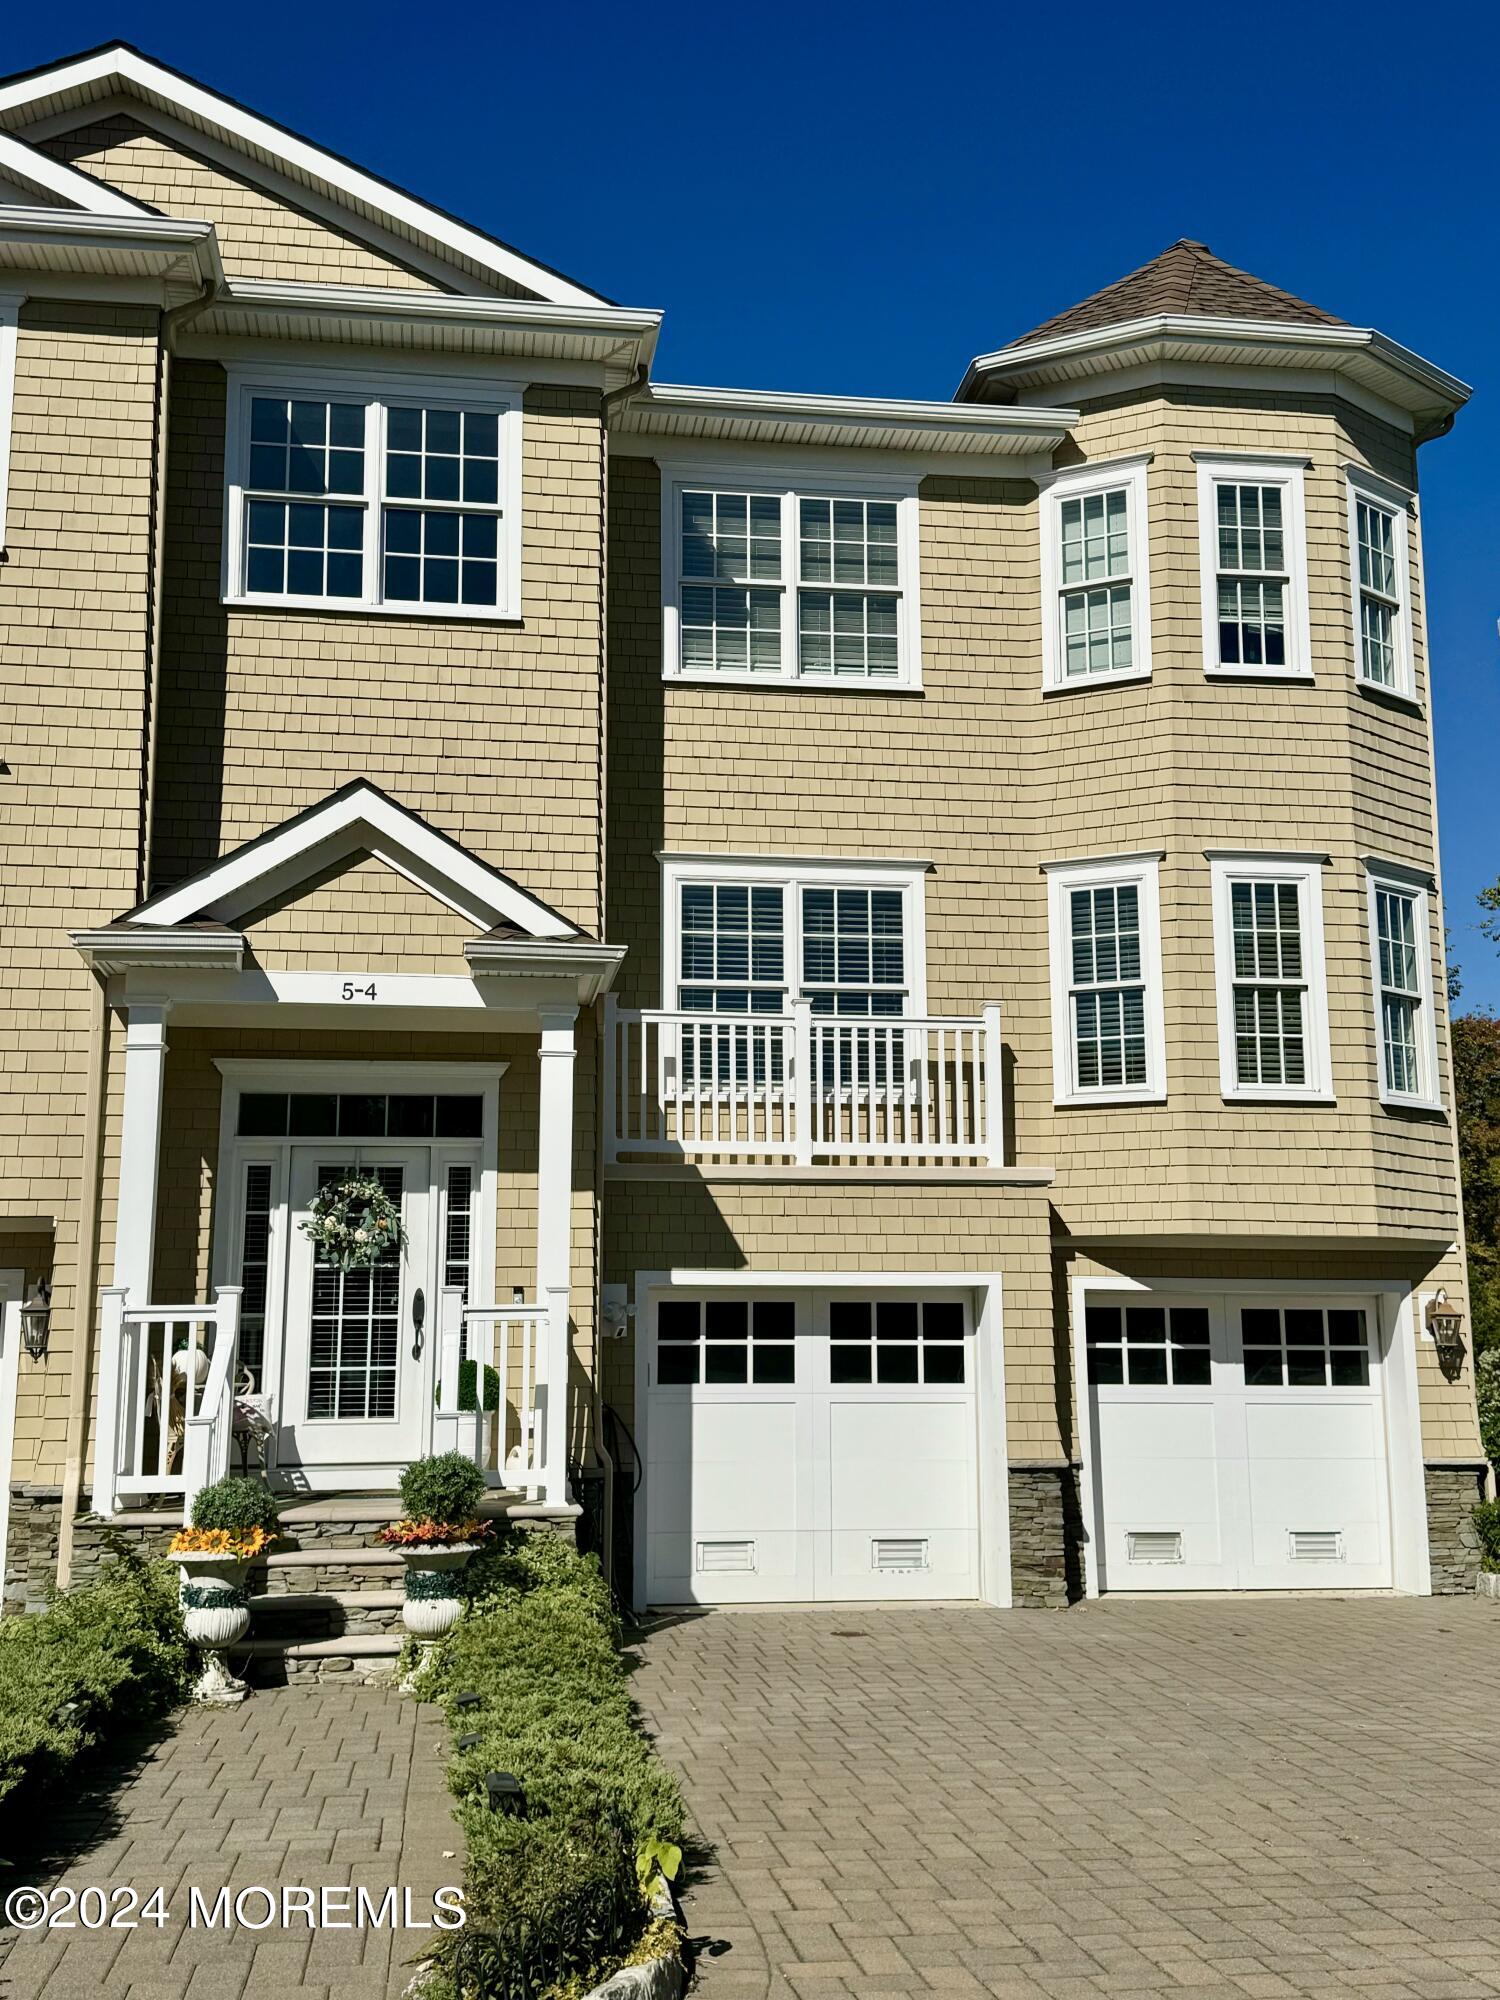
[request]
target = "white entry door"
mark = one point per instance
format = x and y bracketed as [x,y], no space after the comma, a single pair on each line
[357,1372]
[813,1446]
[1239,1442]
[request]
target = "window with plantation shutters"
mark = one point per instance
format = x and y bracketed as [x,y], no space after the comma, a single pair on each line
[1272,1000]
[1106,981]
[1254,566]
[1401,976]
[1378,580]
[1095,583]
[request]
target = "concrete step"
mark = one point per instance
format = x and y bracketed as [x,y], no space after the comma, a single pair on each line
[317,1614]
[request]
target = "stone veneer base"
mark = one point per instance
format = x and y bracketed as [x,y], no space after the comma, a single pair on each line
[1046,1537]
[1453,1491]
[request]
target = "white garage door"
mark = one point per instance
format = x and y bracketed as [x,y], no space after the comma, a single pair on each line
[1238,1443]
[809,1447]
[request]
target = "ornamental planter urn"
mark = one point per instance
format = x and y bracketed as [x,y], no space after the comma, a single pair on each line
[216,1615]
[432,1601]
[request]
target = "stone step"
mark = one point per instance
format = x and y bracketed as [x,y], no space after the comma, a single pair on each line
[325,1613]
[342,1572]
[306,1662]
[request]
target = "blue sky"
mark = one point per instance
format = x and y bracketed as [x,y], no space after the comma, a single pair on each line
[861,198]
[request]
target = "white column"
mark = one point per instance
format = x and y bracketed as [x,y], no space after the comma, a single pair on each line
[554,1231]
[140,1147]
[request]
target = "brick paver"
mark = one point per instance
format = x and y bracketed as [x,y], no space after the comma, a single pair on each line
[1268,1797]
[339,1785]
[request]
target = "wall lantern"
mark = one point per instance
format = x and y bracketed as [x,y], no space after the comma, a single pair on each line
[36,1319]
[1444,1324]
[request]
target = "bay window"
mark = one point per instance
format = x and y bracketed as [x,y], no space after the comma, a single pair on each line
[1254,570]
[1272,997]
[1378,576]
[1401,977]
[1108,1043]
[1096,616]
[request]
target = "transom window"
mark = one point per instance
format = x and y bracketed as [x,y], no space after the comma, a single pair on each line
[1107,1039]
[1377,537]
[1405,1031]
[1254,590]
[1272,1002]
[400,497]
[725,1340]
[777,584]
[895,1340]
[1094,578]
[1305,1347]
[299,1114]
[1145,1344]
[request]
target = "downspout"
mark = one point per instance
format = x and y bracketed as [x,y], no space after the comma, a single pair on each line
[90,1182]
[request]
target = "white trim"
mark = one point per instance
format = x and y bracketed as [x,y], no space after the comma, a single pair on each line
[772,417]
[1273,469]
[356,819]
[986,1292]
[1392,1298]
[1400,880]
[376,390]
[1100,476]
[1396,504]
[28,163]
[791,876]
[1141,870]
[1306,873]
[12,1292]
[164,91]
[10,315]
[789,486]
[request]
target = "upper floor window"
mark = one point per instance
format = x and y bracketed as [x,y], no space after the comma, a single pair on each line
[1378,573]
[815,585]
[10,317]
[1107,1036]
[401,496]
[1401,972]
[1254,575]
[1096,616]
[1273,1002]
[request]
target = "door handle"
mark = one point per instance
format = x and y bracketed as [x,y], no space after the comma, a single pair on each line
[418,1316]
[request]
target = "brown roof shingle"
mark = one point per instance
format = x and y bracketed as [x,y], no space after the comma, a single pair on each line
[1187,278]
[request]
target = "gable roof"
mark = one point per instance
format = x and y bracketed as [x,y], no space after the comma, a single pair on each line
[1186,278]
[73,90]
[358,818]
[33,168]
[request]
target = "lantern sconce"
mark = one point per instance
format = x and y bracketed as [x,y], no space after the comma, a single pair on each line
[1445,1325]
[36,1319]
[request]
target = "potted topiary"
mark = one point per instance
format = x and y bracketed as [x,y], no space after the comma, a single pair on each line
[469,1397]
[438,1533]
[234,1521]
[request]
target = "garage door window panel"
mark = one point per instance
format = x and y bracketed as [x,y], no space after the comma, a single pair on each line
[896,1341]
[1148,1345]
[721,1342]
[1305,1347]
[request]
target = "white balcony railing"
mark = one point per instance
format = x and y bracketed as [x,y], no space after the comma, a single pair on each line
[166,1404]
[803,1089]
[522,1443]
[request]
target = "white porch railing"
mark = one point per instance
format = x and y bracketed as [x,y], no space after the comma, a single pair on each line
[803,1089]
[166,1404]
[527,1346]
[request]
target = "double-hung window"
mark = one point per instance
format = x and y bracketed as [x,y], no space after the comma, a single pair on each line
[765,581]
[1252,543]
[1096,610]
[1401,974]
[1107,1035]
[1378,574]
[1272,996]
[389,495]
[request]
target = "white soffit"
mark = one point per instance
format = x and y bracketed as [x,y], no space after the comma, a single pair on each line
[768,417]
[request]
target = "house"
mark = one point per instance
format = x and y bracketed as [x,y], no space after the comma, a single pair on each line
[888,953]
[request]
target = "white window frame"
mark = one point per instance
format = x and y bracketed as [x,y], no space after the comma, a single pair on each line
[1396,502]
[10,319]
[1143,872]
[376,390]
[791,875]
[1105,476]
[1286,473]
[1306,872]
[791,486]
[1395,877]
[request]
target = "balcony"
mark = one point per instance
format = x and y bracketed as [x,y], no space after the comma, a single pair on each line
[800,1089]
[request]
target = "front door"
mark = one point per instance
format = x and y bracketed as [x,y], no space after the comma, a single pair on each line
[357,1370]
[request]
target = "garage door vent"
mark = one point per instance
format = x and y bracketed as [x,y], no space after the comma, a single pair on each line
[1317,1545]
[888,1554]
[1154,1545]
[727,1558]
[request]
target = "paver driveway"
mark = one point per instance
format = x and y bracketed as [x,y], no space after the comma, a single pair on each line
[1259,1796]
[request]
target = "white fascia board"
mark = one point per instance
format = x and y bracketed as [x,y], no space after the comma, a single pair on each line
[593,966]
[587,318]
[171,92]
[172,238]
[115,949]
[38,169]
[845,419]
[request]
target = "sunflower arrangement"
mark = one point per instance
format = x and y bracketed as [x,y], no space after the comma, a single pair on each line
[245,1544]
[354,1222]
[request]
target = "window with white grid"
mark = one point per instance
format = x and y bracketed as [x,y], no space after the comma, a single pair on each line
[1254,589]
[1272,1000]
[378,495]
[763,581]
[1107,1034]
[1377,562]
[1405,1031]
[1095,611]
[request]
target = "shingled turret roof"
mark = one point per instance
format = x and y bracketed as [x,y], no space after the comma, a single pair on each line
[1187,278]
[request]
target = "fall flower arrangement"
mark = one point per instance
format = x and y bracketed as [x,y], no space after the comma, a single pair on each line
[431,1534]
[441,1498]
[353,1223]
[246,1545]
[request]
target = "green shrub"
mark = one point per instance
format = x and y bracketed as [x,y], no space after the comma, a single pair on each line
[553,1895]
[468,1372]
[445,1487]
[238,1504]
[1487,1521]
[1487,1394]
[105,1656]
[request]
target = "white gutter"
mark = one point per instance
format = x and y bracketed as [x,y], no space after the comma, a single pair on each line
[164,234]
[668,405]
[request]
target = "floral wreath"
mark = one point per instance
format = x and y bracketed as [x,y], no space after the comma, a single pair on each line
[354,1223]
